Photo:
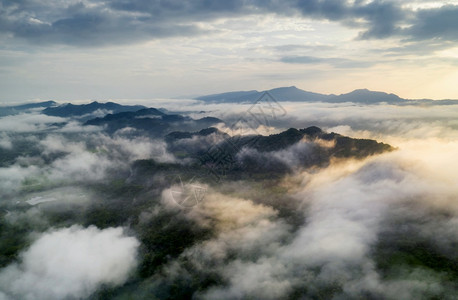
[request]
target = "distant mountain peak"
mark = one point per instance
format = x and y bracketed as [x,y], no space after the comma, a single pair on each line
[368,97]
[294,94]
[293,87]
[78,110]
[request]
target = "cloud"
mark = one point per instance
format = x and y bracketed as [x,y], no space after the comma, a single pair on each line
[384,18]
[74,126]
[335,232]
[83,23]
[27,122]
[379,19]
[80,166]
[71,263]
[91,157]
[11,178]
[305,47]
[125,148]
[197,143]
[86,23]
[299,155]
[79,158]
[336,62]
[350,210]
[434,24]
[383,122]
[95,22]
[244,231]
[348,206]
[5,141]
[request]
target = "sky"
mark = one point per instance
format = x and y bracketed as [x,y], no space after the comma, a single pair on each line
[67,50]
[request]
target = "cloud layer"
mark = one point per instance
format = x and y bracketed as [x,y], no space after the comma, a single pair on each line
[94,22]
[349,210]
[87,214]
[71,263]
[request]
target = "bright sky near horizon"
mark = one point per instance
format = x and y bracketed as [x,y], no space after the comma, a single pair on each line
[68,50]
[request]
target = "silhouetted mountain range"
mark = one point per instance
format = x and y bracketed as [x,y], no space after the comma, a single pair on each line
[13,110]
[269,155]
[294,94]
[152,121]
[72,110]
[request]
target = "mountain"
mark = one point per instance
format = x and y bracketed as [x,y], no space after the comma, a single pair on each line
[72,110]
[281,94]
[13,110]
[269,155]
[230,96]
[294,94]
[151,121]
[178,135]
[367,97]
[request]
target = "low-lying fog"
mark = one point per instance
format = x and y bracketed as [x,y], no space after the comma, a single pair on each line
[75,222]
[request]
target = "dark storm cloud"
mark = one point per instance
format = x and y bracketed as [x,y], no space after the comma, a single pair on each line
[95,22]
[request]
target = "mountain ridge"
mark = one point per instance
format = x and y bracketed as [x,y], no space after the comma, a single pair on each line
[255,154]
[78,110]
[26,107]
[151,120]
[294,94]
